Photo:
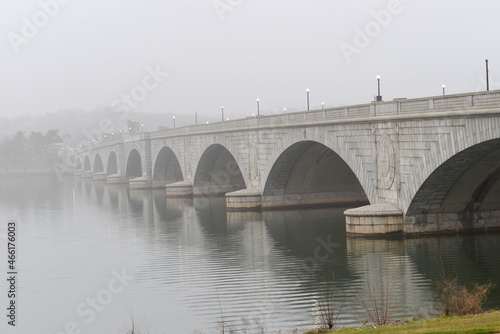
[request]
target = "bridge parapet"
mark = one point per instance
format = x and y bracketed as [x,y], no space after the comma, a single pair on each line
[397,107]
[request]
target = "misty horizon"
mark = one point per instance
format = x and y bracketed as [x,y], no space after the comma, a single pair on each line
[180,58]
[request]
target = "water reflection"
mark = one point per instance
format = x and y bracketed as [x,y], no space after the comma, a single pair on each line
[189,258]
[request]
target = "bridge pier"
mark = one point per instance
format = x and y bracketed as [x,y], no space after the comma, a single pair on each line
[245,199]
[87,174]
[158,184]
[140,183]
[374,219]
[116,179]
[99,176]
[179,189]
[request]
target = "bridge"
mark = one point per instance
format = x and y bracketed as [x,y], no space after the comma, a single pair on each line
[409,165]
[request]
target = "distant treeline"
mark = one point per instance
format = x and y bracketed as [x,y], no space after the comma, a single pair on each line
[34,153]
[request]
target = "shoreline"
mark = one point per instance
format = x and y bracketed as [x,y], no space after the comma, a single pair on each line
[486,322]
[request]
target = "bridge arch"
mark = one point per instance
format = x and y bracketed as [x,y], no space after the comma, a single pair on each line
[134,165]
[431,146]
[86,164]
[466,184]
[309,173]
[217,172]
[112,165]
[98,167]
[167,168]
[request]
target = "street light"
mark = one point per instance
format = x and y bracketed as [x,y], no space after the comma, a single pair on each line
[284,111]
[487,76]
[142,126]
[196,118]
[323,106]
[444,87]
[307,93]
[258,107]
[379,97]
[222,108]
[174,121]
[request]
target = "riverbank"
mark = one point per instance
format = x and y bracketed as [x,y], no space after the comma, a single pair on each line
[488,322]
[29,170]
[38,172]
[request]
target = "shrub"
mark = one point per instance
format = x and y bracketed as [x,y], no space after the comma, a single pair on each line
[377,305]
[454,298]
[329,312]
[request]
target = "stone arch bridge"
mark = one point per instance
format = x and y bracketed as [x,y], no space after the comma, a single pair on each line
[408,165]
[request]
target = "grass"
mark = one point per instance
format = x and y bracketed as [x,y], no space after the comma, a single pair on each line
[481,323]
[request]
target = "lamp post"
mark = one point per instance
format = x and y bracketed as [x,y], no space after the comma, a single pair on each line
[379,97]
[258,107]
[444,87]
[196,118]
[323,106]
[174,121]
[284,110]
[222,108]
[142,128]
[307,93]
[487,76]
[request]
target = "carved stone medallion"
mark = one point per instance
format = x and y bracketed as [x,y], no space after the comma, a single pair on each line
[386,162]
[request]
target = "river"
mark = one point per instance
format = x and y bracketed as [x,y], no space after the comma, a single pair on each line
[91,256]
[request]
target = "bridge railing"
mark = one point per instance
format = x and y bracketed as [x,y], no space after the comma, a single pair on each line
[398,106]
[451,102]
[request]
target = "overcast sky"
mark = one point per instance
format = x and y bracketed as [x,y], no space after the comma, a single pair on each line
[88,53]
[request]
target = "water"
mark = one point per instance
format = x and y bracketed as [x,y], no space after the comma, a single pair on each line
[91,256]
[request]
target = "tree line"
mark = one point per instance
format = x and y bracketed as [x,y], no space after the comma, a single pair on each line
[35,152]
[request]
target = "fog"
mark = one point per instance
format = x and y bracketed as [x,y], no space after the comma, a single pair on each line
[181,57]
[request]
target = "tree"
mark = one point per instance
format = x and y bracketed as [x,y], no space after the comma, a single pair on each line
[52,137]
[133,126]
